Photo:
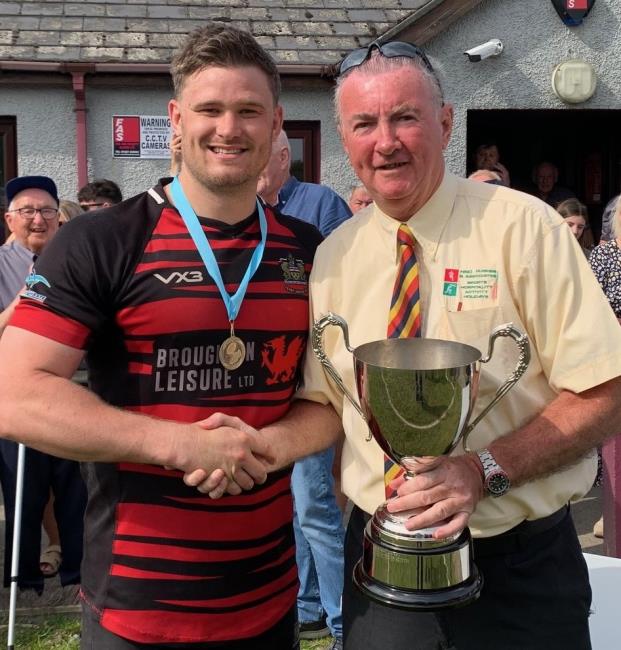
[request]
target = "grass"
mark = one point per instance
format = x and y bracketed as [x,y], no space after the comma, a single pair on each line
[62,632]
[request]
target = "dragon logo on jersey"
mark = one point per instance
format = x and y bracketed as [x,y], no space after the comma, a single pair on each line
[281,358]
[294,275]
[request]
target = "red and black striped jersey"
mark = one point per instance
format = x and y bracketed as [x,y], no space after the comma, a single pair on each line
[164,563]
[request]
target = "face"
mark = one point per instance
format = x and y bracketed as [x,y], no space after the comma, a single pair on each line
[487,157]
[546,178]
[33,233]
[577,225]
[274,174]
[394,133]
[97,204]
[359,199]
[227,120]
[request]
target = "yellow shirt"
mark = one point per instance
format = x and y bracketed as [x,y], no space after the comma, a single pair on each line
[487,255]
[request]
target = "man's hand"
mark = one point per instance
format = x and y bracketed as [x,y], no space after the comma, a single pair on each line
[445,491]
[245,456]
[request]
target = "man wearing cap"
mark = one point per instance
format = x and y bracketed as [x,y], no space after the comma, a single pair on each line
[32,218]
[468,271]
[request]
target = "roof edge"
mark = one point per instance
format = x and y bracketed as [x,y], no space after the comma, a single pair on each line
[67,67]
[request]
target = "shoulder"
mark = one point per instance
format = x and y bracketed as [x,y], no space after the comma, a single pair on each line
[506,206]
[303,233]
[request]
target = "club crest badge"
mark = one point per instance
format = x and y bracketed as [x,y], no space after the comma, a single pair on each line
[294,275]
[573,12]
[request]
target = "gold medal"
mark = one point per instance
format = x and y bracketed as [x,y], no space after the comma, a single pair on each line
[232,352]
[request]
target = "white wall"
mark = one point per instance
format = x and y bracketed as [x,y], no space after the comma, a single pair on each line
[535,42]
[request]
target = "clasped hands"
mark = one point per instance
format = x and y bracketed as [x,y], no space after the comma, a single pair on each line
[233,457]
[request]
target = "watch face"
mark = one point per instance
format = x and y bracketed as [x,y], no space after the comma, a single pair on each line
[497,484]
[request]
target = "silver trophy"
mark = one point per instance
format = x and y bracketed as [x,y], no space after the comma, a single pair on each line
[416,396]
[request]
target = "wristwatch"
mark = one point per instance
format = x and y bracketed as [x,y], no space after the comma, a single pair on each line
[495,481]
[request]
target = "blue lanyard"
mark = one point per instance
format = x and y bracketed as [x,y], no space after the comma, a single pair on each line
[232,303]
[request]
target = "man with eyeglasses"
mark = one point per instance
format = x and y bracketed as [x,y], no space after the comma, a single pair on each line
[474,271]
[32,218]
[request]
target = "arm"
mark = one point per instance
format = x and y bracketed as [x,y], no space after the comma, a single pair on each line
[568,428]
[6,314]
[43,409]
[308,427]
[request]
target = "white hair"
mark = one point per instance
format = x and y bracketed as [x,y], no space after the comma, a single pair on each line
[377,64]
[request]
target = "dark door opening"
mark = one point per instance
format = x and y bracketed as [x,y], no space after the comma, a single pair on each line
[584,144]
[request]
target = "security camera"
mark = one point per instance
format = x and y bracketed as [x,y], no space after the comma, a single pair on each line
[480,52]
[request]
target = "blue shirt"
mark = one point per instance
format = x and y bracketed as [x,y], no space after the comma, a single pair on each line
[15,262]
[315,204]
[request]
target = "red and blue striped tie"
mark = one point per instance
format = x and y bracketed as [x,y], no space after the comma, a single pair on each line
[404,319]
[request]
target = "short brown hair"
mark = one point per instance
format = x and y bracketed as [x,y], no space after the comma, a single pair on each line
[223,46]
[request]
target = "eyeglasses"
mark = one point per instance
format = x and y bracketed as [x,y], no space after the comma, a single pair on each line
[390,50]
[29,213]
[91,206]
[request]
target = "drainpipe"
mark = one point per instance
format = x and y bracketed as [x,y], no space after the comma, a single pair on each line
[78,72]
[77,80]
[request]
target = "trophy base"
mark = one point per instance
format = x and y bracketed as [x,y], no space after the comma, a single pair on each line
[412,570]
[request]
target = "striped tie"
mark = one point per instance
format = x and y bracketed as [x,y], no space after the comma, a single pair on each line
[404,318]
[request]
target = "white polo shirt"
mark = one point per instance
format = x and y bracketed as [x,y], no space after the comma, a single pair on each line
[488,255]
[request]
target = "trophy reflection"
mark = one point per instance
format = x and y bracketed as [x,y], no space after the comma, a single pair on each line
[416,396]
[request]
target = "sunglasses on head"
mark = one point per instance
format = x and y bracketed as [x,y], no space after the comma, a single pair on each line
[389,50]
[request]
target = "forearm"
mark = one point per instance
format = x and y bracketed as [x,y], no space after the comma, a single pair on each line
[567,429]
[56,416]
[307,428]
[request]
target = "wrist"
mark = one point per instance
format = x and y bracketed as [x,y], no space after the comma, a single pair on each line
[475,463]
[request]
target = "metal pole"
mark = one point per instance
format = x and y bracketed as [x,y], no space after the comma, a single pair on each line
[17,529]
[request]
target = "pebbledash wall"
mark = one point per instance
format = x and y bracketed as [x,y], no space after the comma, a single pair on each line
[535,42]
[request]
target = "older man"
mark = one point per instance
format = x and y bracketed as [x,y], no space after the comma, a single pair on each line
[32,218]
[545,177]
[395,124]
[311,202]
[359,198]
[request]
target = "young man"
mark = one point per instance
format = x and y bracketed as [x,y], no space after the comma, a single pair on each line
[99,194]
[173,335]
[539,439]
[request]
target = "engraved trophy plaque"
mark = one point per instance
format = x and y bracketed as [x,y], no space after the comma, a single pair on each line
[416,396]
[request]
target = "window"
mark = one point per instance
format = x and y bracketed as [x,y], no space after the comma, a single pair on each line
[304,138]
[8,159]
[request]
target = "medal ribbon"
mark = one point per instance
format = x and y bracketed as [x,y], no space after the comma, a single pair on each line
[231,302]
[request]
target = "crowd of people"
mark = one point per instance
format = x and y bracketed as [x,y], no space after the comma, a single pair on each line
[160,344]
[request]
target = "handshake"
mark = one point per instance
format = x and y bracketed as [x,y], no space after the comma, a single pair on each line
[222,455]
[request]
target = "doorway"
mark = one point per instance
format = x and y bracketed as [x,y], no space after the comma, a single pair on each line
[584,144]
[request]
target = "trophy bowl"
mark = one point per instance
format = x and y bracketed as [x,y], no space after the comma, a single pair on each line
[416,396]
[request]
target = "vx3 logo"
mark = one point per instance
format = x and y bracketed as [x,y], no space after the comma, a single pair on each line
[177,277]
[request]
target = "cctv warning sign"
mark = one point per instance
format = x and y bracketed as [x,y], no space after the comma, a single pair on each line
[140,136]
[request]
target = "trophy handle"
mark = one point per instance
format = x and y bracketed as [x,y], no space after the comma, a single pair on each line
[523,344]
[317,344]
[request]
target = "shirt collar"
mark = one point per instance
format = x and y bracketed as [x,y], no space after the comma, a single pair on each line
[428,223]
[286,190]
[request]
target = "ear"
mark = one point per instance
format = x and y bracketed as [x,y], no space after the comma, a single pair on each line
[8,217]
[277,122]
[174,113]
[446,122]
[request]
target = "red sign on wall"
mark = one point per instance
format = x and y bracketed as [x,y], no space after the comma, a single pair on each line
[126,136]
